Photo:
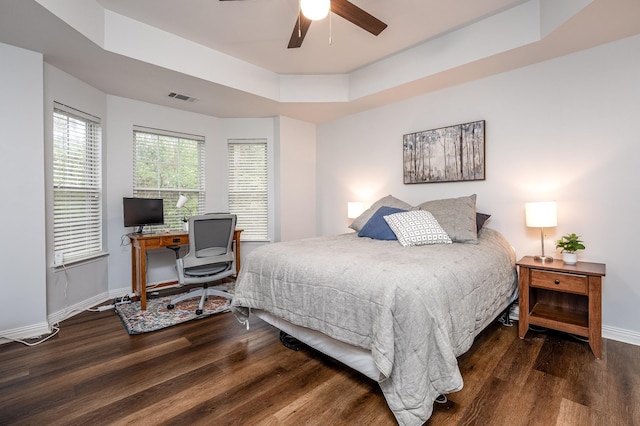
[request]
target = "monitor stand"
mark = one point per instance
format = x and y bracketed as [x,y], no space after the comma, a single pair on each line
[140,230]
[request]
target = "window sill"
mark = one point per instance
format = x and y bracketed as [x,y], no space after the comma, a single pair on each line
[79,261]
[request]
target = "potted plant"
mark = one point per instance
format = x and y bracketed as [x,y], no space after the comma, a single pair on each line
[570,244]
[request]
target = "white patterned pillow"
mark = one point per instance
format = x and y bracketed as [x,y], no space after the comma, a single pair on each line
[417,228]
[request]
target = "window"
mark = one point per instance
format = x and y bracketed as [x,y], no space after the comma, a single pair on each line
[248,187]
[165,165]
[77,184]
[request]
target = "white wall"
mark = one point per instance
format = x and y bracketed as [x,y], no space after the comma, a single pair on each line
[123,114]
[82,284]
[22,256]
[563,130]
[296,179]
[51,294]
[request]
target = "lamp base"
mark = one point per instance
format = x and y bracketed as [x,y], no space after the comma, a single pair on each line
[543,259]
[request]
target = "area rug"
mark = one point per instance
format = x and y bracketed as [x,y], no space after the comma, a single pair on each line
[157,316]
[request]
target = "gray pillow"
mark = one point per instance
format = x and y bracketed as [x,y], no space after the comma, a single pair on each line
[389,201]
[457,216]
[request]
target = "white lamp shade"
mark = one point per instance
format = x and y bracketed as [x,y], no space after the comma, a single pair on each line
[182,201]
[315,9]
[541,214]
[354,209]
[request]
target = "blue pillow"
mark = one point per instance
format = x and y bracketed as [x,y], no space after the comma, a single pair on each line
[378,228]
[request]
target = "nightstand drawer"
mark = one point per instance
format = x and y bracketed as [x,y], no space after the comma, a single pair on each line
[568,283]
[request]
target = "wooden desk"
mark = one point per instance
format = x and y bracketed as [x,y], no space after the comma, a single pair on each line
[140,243]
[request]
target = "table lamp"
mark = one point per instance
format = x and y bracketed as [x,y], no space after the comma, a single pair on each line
[541,215]
[181,202]
[354,209]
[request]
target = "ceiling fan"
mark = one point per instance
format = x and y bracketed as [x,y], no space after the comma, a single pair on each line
[342,8]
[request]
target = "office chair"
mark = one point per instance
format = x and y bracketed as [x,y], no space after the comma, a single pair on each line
[210,257]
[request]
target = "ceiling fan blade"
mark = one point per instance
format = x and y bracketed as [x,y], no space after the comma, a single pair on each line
[297,37]
[357,16]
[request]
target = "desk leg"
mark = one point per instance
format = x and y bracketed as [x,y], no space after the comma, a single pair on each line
[134,270]
[139,272]
[142,278]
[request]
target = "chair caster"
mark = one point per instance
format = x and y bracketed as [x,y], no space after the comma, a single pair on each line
[198,311]
[170,306]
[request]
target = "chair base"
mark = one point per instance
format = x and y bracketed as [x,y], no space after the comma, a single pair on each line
[203,293]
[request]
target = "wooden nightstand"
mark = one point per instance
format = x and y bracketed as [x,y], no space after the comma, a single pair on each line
[562,297]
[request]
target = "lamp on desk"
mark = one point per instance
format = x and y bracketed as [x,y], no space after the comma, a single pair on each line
[181,203]
[541,215]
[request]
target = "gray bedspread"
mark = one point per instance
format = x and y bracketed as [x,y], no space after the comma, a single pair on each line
[415,308]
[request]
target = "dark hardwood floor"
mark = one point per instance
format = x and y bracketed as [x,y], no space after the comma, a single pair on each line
[214,371]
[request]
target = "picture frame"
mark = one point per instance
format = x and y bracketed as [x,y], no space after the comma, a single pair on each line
[447,154]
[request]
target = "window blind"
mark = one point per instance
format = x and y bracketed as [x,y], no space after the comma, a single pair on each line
[166,165]
[248,187]
[77,184]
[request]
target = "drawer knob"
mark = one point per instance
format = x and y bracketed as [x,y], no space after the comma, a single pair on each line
[556,281]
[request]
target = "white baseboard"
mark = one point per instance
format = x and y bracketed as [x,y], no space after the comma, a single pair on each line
[608,332]
[37,330]
[86,304]
[34,330]
[119,292]
[75,309]
[621,335]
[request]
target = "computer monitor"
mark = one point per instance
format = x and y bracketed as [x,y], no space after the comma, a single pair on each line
[141,212]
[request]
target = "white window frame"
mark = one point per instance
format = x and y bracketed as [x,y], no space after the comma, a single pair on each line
[170,194]
[77,185]
[255,225]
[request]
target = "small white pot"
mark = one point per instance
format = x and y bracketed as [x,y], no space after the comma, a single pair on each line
[186,226]
[570,258]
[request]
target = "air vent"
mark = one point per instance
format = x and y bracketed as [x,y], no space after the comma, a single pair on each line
[182,97]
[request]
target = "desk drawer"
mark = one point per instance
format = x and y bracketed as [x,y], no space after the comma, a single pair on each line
[568,283]
[174,240]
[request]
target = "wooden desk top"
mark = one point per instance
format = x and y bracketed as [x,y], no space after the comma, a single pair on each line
[135,236]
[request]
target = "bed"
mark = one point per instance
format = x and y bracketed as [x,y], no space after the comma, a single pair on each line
[398,314]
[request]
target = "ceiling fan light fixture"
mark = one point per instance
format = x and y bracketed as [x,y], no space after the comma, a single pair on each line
[315,9]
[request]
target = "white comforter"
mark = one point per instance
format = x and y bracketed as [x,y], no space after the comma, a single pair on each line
[415,308]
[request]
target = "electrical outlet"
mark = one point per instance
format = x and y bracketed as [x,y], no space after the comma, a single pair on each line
[58,258]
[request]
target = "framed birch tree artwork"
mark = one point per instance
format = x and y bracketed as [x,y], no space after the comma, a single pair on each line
[448,154]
